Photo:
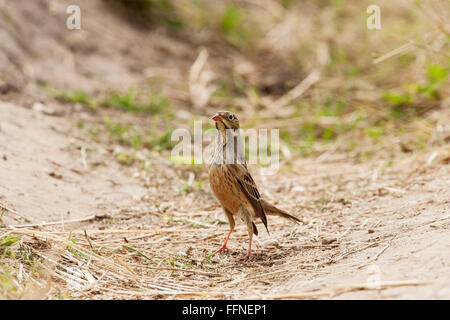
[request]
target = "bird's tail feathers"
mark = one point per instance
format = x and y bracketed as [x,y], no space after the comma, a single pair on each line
[274,211]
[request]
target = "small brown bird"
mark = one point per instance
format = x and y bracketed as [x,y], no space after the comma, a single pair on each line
[233,184]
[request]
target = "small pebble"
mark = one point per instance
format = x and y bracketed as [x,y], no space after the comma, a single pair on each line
[55,175]
[269,242]
[181,253]
[328,240]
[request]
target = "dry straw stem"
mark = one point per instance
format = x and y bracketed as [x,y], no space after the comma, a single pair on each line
[196,222]
[347,288]
[43,224]
[296,122]
[88,239]
[375,257]
[296,92]
[380,286]
[185,270]
[123,264]
[114,231]
[14,212]
[404,48]
[200,89]
[173,293]
[349,252]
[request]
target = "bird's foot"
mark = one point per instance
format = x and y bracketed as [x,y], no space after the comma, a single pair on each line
[247,256]
[222,248]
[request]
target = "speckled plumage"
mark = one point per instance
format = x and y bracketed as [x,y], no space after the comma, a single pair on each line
[232,183]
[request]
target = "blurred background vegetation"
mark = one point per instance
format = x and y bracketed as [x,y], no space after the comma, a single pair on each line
[375,92]
[378,90]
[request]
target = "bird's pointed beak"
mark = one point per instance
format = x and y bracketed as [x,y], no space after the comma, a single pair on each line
[217,117]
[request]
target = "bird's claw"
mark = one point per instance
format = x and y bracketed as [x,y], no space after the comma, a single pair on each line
[223,248]
[247,256]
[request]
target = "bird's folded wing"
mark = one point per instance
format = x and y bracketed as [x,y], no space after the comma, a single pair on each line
[249,189]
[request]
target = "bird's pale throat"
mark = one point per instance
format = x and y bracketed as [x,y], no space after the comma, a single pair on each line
[229,149]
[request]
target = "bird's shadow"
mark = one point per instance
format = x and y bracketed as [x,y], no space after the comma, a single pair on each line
[262,258]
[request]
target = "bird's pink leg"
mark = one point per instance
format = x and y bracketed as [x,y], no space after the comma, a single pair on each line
[249,252]
[224,245]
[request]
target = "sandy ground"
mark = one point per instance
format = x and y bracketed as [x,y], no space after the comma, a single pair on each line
[43,172]
[389,226]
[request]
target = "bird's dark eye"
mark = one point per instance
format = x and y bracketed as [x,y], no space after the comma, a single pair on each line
[230,117]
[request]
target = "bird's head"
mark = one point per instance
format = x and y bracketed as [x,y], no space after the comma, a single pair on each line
[226,120]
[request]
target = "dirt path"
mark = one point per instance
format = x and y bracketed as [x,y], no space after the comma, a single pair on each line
[363,224]
[411,242]
[44,170]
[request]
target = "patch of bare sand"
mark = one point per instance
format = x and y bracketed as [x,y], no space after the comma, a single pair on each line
[44,175]
[411,243]
[106,53]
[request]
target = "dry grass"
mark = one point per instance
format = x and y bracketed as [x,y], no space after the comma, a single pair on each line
[122,256]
